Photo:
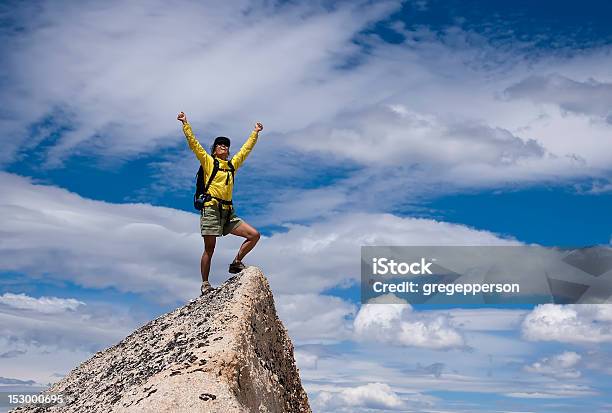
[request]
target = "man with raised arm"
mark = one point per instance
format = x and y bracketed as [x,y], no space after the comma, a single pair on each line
[217,216]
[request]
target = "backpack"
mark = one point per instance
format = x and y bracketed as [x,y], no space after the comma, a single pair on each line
[201,195]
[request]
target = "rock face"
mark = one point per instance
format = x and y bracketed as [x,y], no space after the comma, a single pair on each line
[224,352]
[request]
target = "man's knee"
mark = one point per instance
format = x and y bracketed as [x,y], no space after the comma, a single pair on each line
[255,235]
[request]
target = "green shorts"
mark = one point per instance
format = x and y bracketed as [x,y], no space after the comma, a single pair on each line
[210,224]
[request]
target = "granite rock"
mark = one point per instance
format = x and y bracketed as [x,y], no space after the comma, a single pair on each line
[224,352]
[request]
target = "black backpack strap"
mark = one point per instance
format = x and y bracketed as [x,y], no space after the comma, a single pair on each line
[212,174]
[230,170]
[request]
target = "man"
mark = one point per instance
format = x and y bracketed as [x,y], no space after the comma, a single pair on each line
[218,217]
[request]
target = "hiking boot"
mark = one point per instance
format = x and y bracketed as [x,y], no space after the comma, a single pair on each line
[206,287]
[235,267]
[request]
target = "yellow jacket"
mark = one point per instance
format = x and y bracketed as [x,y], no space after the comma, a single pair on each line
[218,186]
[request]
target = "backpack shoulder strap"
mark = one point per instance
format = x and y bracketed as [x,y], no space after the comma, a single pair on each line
[231,168]
[212,174]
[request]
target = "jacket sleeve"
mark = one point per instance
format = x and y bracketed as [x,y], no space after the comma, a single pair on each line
[245,150]
[195,146]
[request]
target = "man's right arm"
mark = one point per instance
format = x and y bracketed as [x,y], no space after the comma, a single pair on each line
[195,146]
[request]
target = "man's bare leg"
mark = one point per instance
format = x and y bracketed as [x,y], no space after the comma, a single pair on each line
[252,236]
[209,248]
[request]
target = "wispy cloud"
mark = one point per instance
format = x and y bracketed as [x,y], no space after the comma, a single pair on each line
[152,60]
[47,305]
[459,108]
[315,318]
[40,336]
[561,366]
[590,97]
[144,249]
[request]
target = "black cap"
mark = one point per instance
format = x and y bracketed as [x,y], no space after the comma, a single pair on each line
[221,140]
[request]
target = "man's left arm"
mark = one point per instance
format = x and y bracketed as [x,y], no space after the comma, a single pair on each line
[246,149]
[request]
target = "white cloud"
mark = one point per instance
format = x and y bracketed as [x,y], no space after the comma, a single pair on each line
[48,305]
[462,372]
[152,61]
[416,154]
[41,338]
[561,366]
[397,135]
[457,129]
[580,324]
[555,391]
[314,318]
[398,324]
[305,360]
[145,249]
[371,395]
[43,363]
[327,253]
[88,329]
[131,247]
[589,97]
[439,101]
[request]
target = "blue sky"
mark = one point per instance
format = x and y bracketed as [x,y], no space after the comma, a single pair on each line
[386,123]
